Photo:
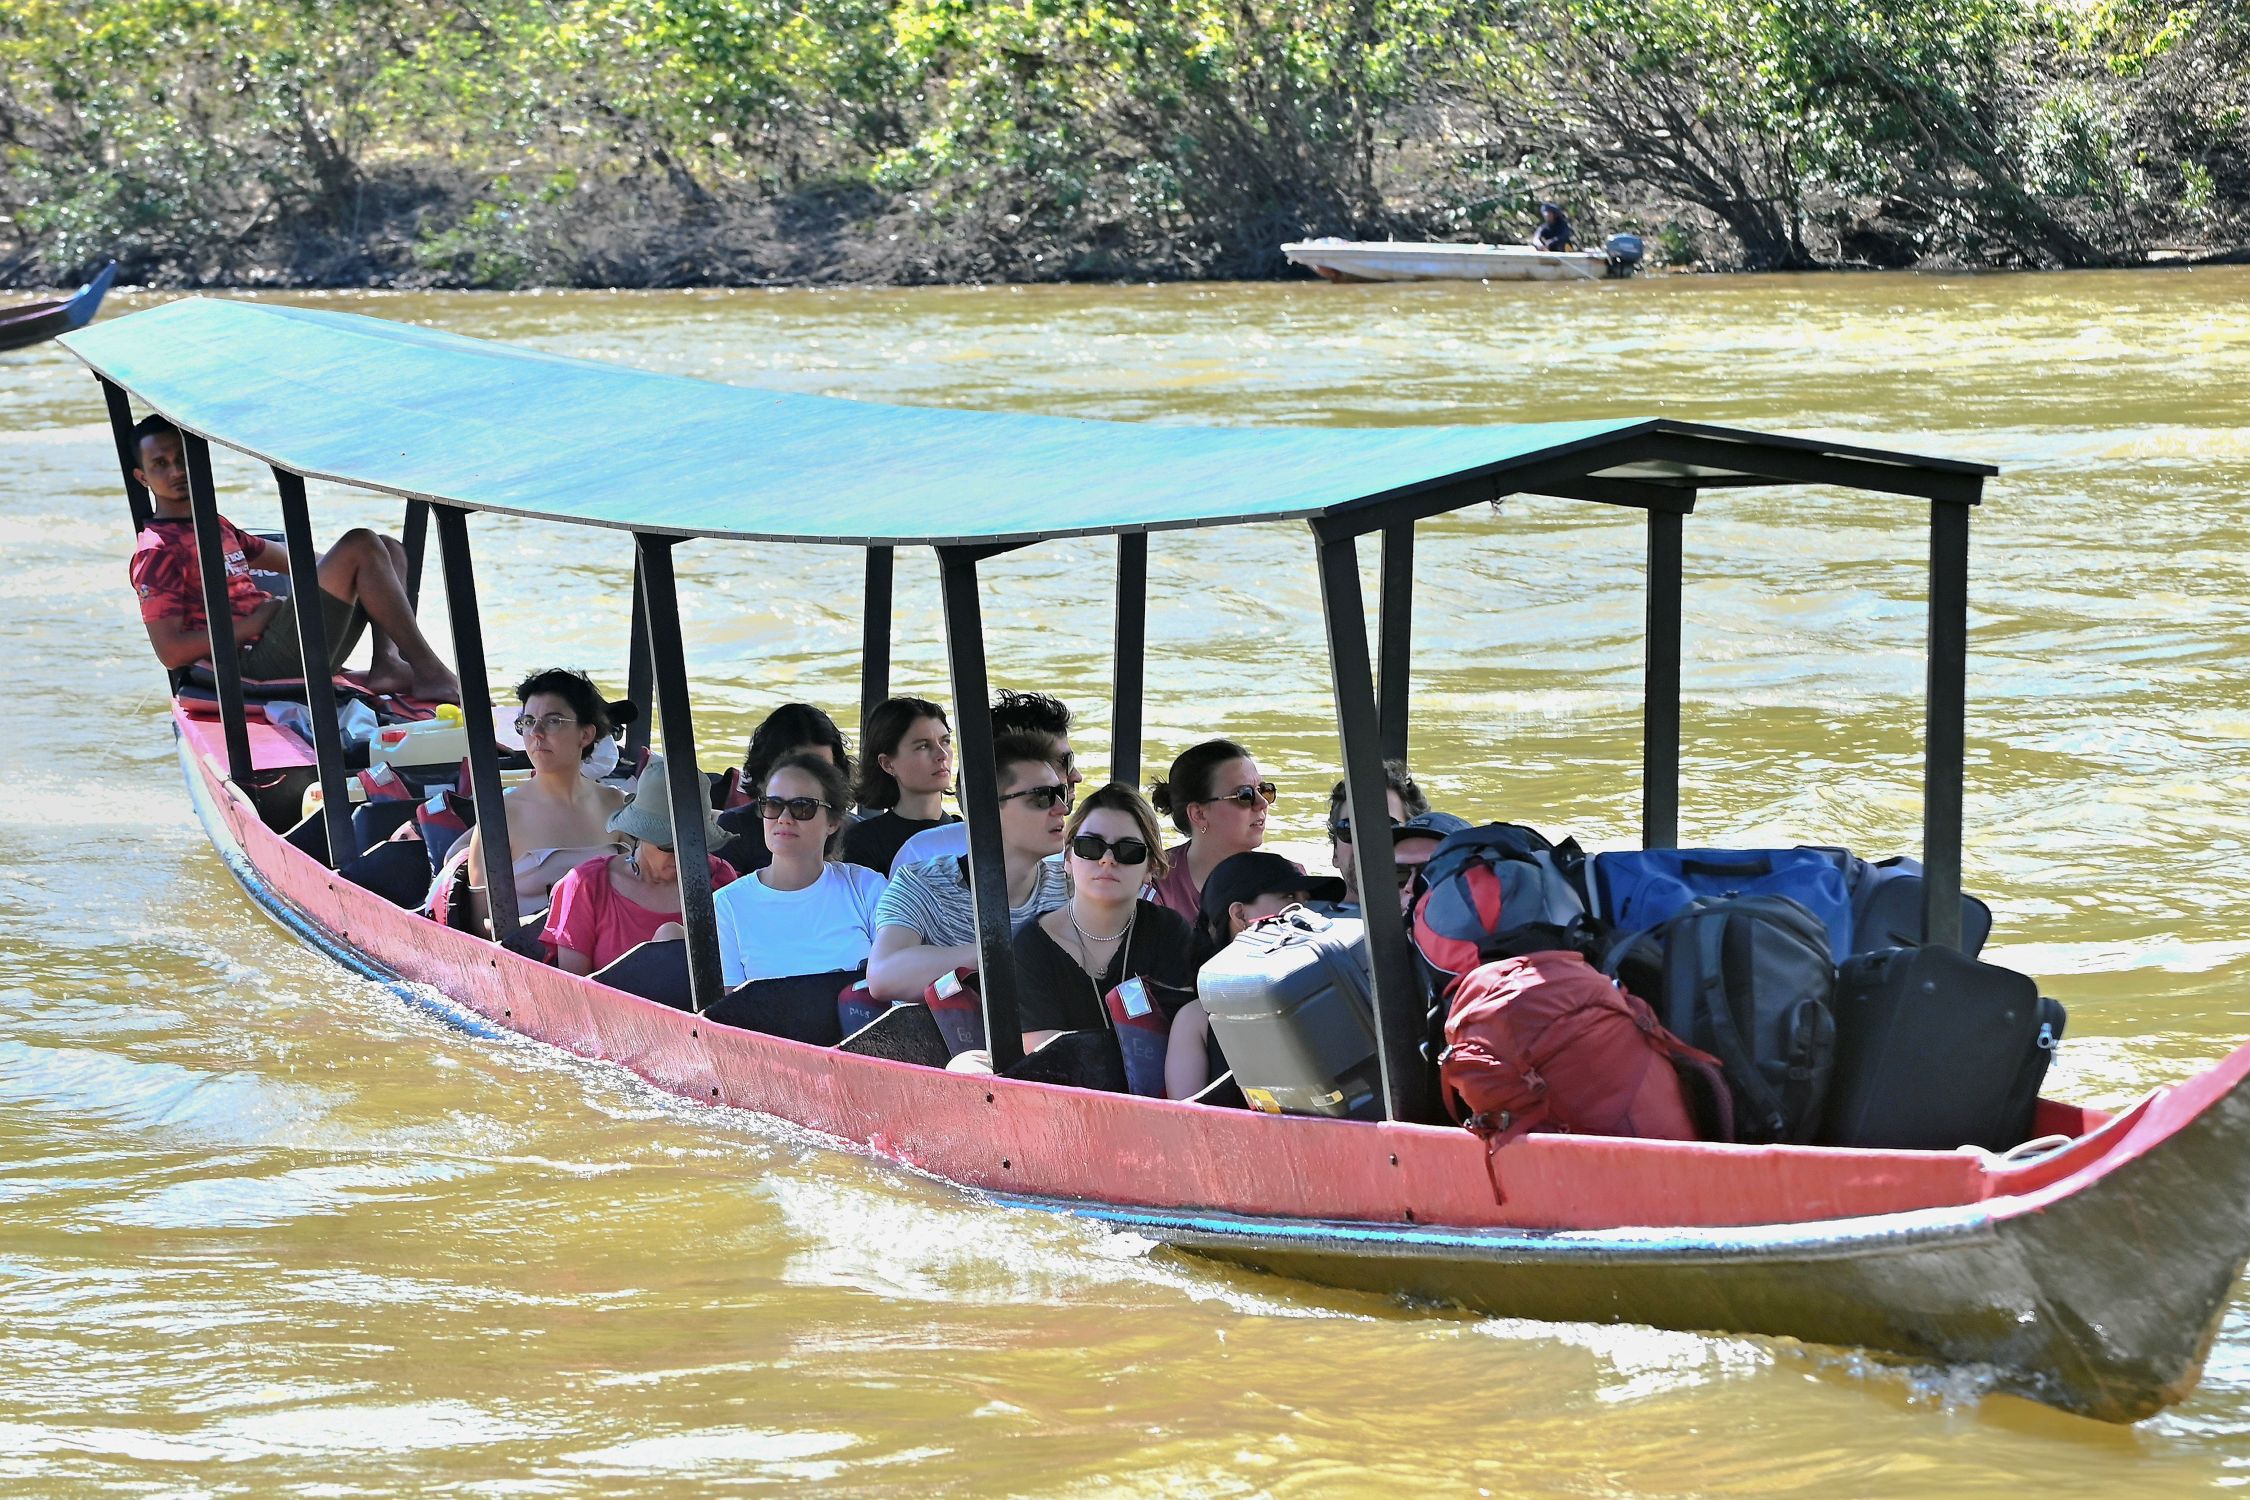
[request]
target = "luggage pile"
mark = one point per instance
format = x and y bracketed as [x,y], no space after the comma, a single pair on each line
[1767,996]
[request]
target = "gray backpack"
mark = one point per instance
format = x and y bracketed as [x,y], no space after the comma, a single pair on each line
[1750,981]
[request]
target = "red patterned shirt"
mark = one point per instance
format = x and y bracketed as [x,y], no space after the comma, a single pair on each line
[167,576]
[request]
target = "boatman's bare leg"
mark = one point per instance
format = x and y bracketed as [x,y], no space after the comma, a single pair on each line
[371,569]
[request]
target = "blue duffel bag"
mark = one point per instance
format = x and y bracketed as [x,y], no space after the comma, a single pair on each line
[1635,889]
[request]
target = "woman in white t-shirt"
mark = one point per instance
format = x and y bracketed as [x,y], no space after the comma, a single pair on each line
[803,913]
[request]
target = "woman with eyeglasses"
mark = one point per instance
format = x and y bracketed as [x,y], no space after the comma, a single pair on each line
[560,818]
[804,913]
[1216,796]
[609,906]
[1072,957]
[1405,799]
[926,924]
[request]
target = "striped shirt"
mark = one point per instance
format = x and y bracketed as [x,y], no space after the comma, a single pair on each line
[933,899]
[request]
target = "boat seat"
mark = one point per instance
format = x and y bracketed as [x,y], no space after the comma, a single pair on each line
[528,939]
[653,971]
[801,1007]
[1074,1059]
[375,822]
[397,872]
[310,834]
[904,1033]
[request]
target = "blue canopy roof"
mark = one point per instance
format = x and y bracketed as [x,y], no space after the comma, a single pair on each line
[414,412]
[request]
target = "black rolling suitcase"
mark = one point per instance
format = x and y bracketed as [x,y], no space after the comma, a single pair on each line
[1936,1050]
[1291,1003]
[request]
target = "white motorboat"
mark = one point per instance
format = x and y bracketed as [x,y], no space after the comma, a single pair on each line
[1407,260]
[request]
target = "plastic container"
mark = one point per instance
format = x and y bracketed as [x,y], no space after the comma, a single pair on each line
[442,741]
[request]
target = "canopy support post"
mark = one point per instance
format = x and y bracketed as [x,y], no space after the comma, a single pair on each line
[1400,1019]
[1945,737]
[218,609]
[980,803]
[128,459]
[320,684]
[875,634]
[1395,607]
[1660,686]
[1129,663]
[690,803]
[414,536]
[476,720]
[640,670]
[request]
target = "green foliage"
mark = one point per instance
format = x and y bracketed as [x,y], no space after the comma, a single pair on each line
[510,141]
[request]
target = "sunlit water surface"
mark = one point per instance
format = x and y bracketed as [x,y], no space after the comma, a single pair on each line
[268,1229]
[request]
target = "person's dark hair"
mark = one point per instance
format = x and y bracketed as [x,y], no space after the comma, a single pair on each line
[1190,781]
[585,700]
[791,727]
[152,425]
[1010,751]
[834,789]
[1037,713]
[1396,778]
[880,736]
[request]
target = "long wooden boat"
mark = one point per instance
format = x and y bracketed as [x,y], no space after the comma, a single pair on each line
[36,322]
[1414,260]
[2092,1277]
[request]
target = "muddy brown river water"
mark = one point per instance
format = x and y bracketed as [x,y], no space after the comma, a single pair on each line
[265,1229]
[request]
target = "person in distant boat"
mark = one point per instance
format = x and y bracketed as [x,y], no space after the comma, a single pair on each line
[1012,713]
[1215,795]
[560,818]
[1071,958]
[609,906]
[1406,801]
[1243,889]
[792,729]
[362,581]
[926,923]
[905,770]
[803,912]
[1554,231]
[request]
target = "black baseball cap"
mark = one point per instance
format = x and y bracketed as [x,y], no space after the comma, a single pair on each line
[1246,877]
[1429,825]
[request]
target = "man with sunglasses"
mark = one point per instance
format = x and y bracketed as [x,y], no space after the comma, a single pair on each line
[1405,797]
[926,923]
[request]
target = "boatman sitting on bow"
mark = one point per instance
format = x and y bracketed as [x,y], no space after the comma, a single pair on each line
[1554,231]
[362,580]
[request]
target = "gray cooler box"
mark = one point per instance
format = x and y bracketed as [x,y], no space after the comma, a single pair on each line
[1291,1002]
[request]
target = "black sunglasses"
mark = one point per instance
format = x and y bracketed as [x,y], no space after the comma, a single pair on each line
[1341,830]
[800,809]
[1091,847]
[1043,798]
[1261,795]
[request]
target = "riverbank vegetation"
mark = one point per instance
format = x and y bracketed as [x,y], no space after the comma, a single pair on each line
[691,142]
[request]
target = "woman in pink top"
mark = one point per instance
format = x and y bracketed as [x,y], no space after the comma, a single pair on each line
[1216,797]
[606,907]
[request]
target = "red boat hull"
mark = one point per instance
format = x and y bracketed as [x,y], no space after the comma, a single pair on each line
[2092,1279]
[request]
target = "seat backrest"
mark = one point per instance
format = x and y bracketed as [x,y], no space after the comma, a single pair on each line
[1075,1059]
[654,971]
[397,872]
[801,1007]
[904,1033]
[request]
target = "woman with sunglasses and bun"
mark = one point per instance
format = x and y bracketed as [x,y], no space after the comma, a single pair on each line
[1217,797]
[803,913]
[1072,957]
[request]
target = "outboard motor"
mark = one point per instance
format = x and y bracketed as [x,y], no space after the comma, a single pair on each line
[1624,252]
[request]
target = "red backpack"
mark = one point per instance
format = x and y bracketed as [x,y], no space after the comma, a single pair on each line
[1547,1042]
